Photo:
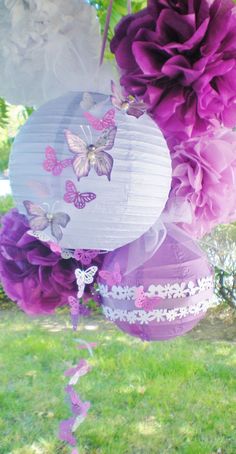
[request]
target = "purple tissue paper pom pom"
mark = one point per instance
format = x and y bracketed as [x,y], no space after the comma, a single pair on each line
[34,276]
[180,58]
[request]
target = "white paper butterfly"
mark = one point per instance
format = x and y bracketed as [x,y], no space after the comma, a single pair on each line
[67,254]
[87,101]
[84,277]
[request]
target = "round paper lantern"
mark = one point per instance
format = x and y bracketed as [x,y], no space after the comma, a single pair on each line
[90,175]
[164,297]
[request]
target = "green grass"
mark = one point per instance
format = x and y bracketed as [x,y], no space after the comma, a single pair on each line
[6,203]
[159,398]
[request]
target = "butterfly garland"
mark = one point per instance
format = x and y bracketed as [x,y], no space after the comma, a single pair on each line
[84,277]
[78,408]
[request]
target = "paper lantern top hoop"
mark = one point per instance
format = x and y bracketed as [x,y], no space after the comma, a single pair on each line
[87,174]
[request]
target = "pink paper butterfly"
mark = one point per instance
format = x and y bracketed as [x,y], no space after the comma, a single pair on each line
[55,248]
[92,156]
[40,219]
[128,104]
[51,164]
[79,199]
[140,297]
[78,371]
[85,257]
[112,278]
[99,124]
[143,302]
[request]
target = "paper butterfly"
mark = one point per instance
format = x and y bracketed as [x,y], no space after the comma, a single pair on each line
[85,257]
[140,297]
[88,156]
[79,199]
[143,302]
[65,431]
[55,247]
[40,219]
[100,124]
[78,371]
[67,254]
[84,277]
[112,278]
[39,235]
[128,105]
[78,407]
[75,451]
[87,101]
[74,311]
[51,164]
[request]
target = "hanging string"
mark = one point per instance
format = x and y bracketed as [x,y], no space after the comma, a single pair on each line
[105,34]
[107,24]
[129,6]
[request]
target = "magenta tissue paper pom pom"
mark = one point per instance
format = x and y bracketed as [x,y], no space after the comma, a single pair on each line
[204,173]
[31,274]
[180,58]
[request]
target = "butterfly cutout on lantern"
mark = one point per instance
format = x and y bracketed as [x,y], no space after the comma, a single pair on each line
[84,277]
[79,199]
[85,257]
[87,101]
[127,104]
[93,155]
[40,219]
[143,302]
[112,277]
[106,122]
[51,164]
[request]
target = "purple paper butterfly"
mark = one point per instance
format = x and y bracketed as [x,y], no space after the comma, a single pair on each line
[51,164]
[127,104]
[40,219]
[78,407]
[78,371]
[93,155]
[65,431]
[84,256]
[79,199]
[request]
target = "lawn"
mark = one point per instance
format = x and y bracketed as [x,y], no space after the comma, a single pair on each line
[158,398]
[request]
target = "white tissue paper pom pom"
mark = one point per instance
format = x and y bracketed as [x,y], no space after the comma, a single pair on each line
[48,48]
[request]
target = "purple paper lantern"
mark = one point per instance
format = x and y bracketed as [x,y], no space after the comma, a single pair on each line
[162,298]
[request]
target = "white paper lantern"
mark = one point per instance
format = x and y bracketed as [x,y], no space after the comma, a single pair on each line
[110,192]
